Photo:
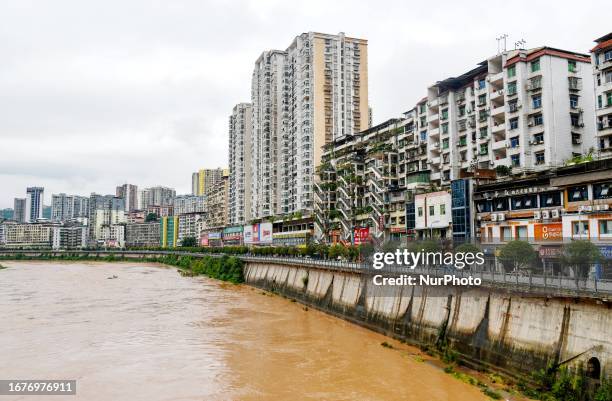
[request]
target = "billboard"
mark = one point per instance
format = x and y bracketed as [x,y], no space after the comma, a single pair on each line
[361,235]
[204,240]
[548,232]
[260,233]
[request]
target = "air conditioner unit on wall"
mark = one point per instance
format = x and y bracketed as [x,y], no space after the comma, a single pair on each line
[537,215]
[501,217]
[545,214]
[554,214]
[493,217]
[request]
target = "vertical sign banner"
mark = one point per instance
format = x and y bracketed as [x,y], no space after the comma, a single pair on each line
[204,240]
[361,235]
[248,234]
[265,233]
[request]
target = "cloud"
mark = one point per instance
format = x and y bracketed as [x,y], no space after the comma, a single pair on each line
[95,94]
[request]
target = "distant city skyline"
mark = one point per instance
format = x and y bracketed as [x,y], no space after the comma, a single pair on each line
[87,108]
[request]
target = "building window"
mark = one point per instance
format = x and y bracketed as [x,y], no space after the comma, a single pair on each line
[512,71]
[514,142]
[431,210]
[538,119]
[537,101]
[500,205]
[444,114]
[420,212]
[538,138]
[445,128]
[577,194]
[599,102]
[484,149]
[580,229]
[573,101]
[423,135]
[516,160]
[602,191]
[608,55]
[605,228]
[572,66]
[535,65]
[511,88]
[521,232]
[445,143]
[550,199]
[481,83]
[442,210]
[482,100]
[506,233]
[539,158]
[483,132]
[514,123]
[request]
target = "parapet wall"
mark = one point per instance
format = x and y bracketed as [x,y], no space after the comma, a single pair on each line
[492,327]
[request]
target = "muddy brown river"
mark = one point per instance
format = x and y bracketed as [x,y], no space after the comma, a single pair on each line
[150,334]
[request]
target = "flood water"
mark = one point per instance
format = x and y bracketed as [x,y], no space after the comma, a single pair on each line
[151,334]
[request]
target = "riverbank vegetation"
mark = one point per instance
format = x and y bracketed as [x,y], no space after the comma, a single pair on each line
[226,268]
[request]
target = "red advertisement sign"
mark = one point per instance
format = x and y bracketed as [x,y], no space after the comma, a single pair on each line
[204,240]
[361,235]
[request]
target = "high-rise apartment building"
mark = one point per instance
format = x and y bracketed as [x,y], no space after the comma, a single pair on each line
[602,76]
[217,207]
[302,98]
[129,193]
[184,204]
[66,207]
[525,110]
[204,179]
[104,211]
[156,196]
[34,204]
[19,207]
[240,147]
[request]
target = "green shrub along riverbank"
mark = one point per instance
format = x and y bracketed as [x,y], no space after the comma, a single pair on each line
[225,268]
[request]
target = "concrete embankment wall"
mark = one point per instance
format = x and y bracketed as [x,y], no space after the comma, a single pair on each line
[491,327]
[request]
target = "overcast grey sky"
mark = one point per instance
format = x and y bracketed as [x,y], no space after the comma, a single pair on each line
[99,93]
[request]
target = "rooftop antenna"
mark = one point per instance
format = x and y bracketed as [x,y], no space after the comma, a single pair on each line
[501,40]
[520,44]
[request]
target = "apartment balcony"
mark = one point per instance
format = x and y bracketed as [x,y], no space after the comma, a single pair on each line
[496,79]
[496,94]
[499,110]
[433,119]
[434,132]
[435,147]
[435,176]
[435,160]
[498,127]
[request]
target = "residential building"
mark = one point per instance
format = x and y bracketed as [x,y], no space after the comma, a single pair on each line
[526,110]
[46,213]
[433,218]
[168,230]
[129,193]
[112,236]
[189,204]
[217,208]
[572,203]
[204,179]
[105,211]
[190,225]
[365,179]
[19,210]
[70,237]
[34,204]
[302,98]
[142,234]
[27,235]
[240,148]
[156,196]
[601,56]
[67,207]
[160,211]
[136,216]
